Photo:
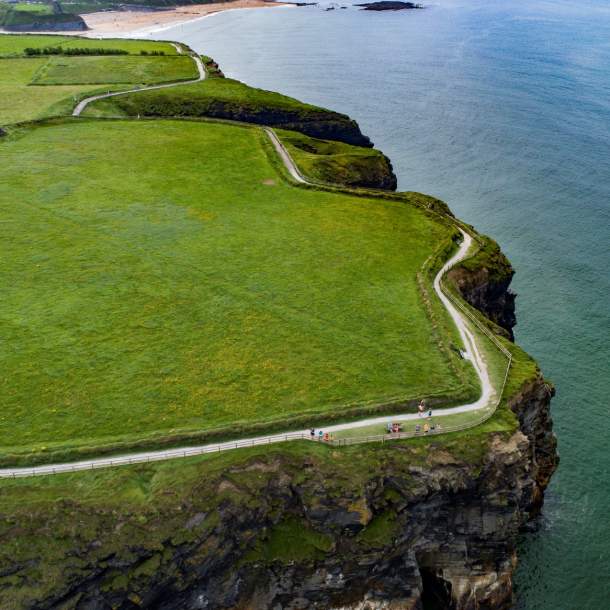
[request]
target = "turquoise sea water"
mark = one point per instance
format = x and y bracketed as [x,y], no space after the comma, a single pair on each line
[502,109]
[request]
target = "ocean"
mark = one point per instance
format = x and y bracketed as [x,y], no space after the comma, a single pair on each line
[502,109]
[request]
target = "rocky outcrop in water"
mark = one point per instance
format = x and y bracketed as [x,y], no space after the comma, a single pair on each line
[389,5]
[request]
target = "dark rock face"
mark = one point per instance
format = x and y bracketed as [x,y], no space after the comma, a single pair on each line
[484,283]
[389,5]
[385,179]
[325,126]
[532,406]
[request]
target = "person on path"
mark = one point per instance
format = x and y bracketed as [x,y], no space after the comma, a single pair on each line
[320,435]
[312,433]
[426,428]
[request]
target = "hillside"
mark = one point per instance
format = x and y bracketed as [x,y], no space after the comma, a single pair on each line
[178,273]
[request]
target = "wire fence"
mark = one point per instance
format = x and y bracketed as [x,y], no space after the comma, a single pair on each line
[155,456]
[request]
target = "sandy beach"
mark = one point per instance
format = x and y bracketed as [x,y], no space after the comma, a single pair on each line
[108,23]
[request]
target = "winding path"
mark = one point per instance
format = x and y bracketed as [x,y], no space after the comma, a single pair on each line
[201,76]
[471,353]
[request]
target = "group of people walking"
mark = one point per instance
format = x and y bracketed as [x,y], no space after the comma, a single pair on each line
[321,436]
[428,426]
[392,427]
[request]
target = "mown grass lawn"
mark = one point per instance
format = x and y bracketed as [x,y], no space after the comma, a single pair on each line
[94,70]
[159,275]
[15,44]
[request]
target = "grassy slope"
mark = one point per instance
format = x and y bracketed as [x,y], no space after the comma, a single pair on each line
[191,288]
[45,9]
[70,70]
[335,162]
[194,100]
[230,99]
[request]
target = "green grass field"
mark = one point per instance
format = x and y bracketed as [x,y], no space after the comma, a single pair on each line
[38,87]
[43,9]
[15,44]
[21,102]
[162,277]
[95,70]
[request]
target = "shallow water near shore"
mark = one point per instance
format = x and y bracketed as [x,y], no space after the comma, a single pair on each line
[502,109]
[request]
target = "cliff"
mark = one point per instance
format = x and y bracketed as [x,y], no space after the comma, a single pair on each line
[430,523]
[413,525]
[484,280]
[393,526]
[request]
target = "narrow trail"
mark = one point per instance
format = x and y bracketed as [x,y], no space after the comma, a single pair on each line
[471,352]
[201,76]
